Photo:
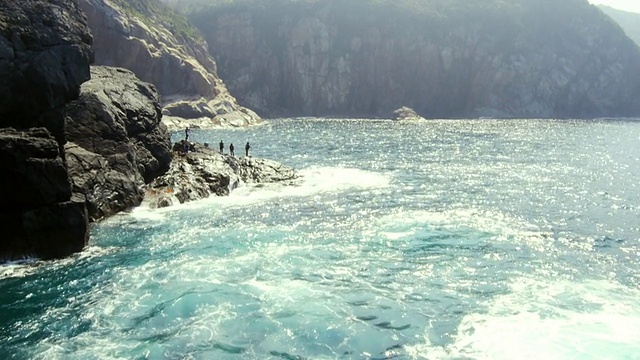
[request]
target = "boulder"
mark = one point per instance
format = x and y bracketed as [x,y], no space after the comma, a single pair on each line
[201,172]
[117,140]
[406,113]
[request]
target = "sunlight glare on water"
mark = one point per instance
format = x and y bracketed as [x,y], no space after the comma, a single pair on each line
[445,239]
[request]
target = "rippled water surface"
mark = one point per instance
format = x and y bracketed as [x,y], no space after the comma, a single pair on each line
[452,239]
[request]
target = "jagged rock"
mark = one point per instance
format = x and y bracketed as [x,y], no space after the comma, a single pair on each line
[117,140]
[45,51]
[150,40]
[202,172]
[406,113]
[38,215]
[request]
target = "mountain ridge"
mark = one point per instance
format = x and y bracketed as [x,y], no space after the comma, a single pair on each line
[366,59]
[629,21]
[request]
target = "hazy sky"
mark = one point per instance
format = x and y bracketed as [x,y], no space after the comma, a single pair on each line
[626,5]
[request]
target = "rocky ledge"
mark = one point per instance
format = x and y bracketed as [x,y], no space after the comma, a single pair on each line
[202,172]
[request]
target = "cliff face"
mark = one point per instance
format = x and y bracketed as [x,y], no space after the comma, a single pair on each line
[453,59]
[70,151]
[161,48]
[45,50]
[117,142]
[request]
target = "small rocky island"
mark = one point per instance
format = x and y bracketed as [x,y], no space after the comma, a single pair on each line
[406,113]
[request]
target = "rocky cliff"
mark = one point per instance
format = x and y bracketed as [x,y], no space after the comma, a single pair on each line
[443,58]
[117,142]
[72,151]
[161,48]
[45,51]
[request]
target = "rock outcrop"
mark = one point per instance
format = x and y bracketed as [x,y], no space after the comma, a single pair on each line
[117,142]
[45,51]
[443,58]
[202,172]
[406,113]
[160,47]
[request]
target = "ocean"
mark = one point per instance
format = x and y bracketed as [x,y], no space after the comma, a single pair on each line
[439,239]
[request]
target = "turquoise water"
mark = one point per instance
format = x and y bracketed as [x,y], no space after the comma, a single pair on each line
[452,239]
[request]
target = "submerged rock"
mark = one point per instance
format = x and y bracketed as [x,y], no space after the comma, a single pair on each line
[202,172]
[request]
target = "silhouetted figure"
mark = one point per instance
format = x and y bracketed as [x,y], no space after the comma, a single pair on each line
[186,133]
[246,149]
[221,147]
[231,149]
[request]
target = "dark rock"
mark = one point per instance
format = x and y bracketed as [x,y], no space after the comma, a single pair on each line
[37,215]
[202,172]
[45,51]
[107,191]
[118,140]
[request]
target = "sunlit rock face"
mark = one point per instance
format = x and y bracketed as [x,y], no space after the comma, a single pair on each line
[45,51]
[163,49]
[117,142]
[443,59]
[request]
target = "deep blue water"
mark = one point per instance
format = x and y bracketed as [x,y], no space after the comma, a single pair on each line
[452,239]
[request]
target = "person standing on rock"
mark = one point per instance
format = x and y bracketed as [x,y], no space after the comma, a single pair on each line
[221,147]
[186,133]
[246,149]
[231,149]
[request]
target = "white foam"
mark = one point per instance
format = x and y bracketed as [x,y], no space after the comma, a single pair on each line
[549,320]
[315,180]
[501,227]
[18,268]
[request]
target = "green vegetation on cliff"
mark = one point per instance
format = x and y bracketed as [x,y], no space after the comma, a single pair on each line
[155,11]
